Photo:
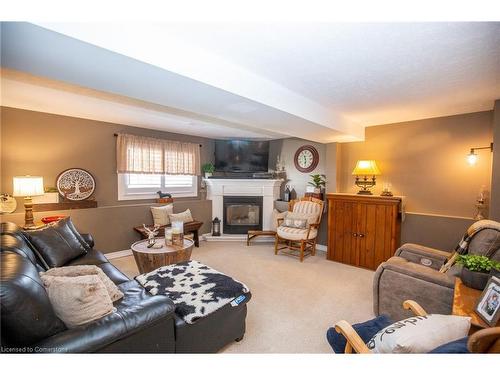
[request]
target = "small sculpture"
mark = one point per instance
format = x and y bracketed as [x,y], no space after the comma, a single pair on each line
[151,234]
[163,195]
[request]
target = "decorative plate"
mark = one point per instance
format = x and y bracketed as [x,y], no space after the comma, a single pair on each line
[306,159]
[75,184]
[8,204]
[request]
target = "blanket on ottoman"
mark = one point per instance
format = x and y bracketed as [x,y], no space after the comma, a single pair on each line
[196,289]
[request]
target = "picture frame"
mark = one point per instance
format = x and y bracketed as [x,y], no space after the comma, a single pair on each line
[488,305]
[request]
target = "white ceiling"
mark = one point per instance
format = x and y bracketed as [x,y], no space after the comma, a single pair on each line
[322,82]
[372,73]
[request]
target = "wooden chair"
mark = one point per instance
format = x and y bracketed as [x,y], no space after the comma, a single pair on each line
[483,341]
[299,242]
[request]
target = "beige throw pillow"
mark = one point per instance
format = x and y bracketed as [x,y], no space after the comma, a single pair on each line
[310,217]
[160,214]
[185,216]
[72,271]
[78,300]
[419,334]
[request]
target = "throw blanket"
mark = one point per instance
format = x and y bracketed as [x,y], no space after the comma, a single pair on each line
[463,245]
[196,289]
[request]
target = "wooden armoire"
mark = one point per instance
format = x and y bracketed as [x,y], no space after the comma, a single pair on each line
[363,230]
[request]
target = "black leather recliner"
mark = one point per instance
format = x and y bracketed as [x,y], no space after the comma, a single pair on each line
[142,323]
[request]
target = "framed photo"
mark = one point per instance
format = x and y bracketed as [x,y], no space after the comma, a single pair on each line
[488,307]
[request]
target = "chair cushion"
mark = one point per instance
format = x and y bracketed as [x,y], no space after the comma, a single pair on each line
[27,314]
[295,234]
[58,243]
[455,347]
[307,207]
[292,222]
[486,242]
[309,217]
[365,330]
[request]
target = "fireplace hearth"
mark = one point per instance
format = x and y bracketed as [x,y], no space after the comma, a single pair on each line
[241,214]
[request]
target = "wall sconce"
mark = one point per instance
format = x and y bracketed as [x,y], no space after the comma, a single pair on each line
[365,168]
[472,156]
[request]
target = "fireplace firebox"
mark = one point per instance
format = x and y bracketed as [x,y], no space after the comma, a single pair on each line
[242,214]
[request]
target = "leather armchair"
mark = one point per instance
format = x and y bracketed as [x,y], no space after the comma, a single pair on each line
[413,274]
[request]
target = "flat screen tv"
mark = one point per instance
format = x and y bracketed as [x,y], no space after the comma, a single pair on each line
[241,156]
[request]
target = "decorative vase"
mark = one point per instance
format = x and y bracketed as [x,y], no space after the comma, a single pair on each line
[208,175]
[474,279]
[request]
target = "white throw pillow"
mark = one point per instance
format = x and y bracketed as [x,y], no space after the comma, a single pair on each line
[419,334]
[160,214]
[78,300]
[277,215]
[72,271]
[185,216]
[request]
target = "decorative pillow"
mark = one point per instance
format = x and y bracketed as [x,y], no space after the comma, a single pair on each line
[78,300]
[419,334]
[277,215]
[295,223]
[185,216]
[310,217]
[160,214]
[72,271]
[57,243]
[455,347]
[365,330]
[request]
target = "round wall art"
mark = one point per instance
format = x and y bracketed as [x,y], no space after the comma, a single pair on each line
[75,184]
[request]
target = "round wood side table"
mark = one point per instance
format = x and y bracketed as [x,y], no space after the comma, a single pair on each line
[149,259]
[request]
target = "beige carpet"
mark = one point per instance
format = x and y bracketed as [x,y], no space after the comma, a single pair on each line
[292,303]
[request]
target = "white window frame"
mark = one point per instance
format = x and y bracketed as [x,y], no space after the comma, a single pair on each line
[177,192]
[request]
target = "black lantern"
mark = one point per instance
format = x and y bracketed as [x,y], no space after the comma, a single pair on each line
[216,227]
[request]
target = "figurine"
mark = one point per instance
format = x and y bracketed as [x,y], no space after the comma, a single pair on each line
[163,195]
[151,234]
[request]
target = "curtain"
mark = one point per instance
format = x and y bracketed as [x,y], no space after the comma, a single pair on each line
[136,154]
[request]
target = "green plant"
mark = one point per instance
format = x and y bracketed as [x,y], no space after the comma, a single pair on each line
[208,168]
[318,180]
[477,263]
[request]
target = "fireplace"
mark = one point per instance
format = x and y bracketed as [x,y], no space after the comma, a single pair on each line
[241,214]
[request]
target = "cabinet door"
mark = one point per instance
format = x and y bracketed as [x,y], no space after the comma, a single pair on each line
[342,242]
[376,234]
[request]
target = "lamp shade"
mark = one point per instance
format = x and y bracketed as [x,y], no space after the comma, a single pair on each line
[28,186]
[366,168]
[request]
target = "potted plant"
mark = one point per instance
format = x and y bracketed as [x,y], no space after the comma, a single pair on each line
[476,270]
[208,169]
[319,182]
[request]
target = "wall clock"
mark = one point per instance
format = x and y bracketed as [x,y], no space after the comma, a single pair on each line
[75,184]
[306,159]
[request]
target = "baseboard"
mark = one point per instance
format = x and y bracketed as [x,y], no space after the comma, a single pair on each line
[321,248]
[118,254]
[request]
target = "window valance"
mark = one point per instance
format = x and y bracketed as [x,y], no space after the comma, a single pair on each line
[136,154]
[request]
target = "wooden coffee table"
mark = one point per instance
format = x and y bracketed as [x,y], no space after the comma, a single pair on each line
[149,259]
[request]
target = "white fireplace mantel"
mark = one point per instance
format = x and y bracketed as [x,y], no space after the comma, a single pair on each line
[269,190]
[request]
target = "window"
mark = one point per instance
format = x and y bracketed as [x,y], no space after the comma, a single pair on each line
[144,186]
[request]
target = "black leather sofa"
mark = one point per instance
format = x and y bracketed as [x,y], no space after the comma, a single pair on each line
[142,323]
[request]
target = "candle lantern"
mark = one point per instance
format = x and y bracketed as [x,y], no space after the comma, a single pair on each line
[216,227]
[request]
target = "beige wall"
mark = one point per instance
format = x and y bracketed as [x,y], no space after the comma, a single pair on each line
[425,161]
[44,144]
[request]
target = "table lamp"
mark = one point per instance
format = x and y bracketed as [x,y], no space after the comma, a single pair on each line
[362,171]
[27,187]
